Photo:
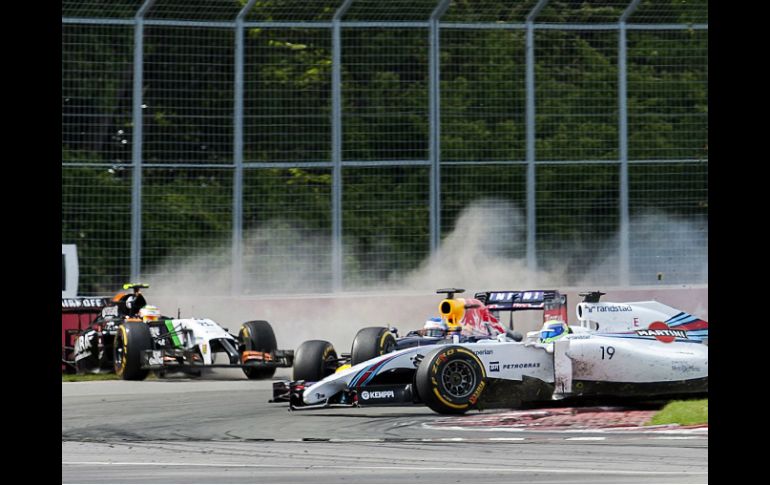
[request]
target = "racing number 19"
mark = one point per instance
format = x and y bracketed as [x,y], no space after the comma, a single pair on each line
[609,352]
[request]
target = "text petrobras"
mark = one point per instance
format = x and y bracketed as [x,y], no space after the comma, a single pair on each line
[495,366]
[525,365]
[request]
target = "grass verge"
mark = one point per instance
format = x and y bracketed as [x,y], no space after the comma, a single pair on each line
[683,413]
[88,377]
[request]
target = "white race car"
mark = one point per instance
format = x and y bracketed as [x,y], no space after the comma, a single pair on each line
[637,350]
[133,344]
[191,344]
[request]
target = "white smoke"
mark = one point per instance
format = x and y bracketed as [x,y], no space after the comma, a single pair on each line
[485,250]
[664,250]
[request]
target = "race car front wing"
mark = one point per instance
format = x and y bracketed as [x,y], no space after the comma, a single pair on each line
[186,358]
[379,395]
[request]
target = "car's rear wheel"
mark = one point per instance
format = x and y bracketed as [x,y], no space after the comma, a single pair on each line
[258,335]
[314,360]
[132,339]
[450,380]
[371,342]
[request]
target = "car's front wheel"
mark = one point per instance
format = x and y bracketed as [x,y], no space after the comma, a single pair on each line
[450,380]
[258,335]
[314,360]
[371,342]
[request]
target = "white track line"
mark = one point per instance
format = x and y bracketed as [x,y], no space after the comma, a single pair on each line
[398,468]
[674,437]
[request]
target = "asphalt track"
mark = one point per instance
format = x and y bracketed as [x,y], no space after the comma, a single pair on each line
[221,429]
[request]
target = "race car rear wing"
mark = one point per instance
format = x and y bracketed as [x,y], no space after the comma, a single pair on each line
[514,300]
[553,303]
[83,304]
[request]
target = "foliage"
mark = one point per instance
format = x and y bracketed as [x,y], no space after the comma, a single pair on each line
[88,377]
[188,112]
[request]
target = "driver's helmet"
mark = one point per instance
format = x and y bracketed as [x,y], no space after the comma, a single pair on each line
[434,327]
[553,330]
[149,313]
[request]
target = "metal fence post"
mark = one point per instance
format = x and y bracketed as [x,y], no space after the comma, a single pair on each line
[136,146]
[530,120]
[336,122]
[625,224]
[237,249]
[434,101]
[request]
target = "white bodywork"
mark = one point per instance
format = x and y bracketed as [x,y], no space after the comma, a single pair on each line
[197,332]
[621,317]
[610,343]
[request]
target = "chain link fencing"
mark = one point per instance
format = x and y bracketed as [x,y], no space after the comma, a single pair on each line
[280,146]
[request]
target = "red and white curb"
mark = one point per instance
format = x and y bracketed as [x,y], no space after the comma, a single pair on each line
[577,420]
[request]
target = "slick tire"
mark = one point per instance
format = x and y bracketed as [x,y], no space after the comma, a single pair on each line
[371,342]
[314,360]
[132,338]
[258,335]
[450,380]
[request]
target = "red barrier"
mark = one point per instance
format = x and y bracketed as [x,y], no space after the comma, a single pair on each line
[75,322]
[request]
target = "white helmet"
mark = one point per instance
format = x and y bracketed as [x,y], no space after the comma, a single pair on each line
[434,327]
[149,313]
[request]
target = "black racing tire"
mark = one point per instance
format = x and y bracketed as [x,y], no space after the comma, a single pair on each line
[450,379]
[132,338]
[371,342]
[314,360]
[258,335]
